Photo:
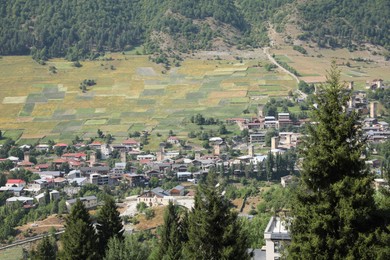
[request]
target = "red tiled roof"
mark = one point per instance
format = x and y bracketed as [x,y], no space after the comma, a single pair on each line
[59,160]
[130,141]
[61,145]
[15,181]
[42,166]
[76,155]
[144,161]
[25,163]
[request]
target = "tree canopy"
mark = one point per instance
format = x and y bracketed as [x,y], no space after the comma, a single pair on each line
[214,231]
[333,213]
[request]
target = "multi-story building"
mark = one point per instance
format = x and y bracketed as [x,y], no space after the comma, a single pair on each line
[276,237]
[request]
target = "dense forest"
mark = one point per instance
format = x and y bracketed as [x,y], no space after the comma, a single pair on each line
[82,29]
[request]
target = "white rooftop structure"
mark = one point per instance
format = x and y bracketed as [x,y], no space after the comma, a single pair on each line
[276,236]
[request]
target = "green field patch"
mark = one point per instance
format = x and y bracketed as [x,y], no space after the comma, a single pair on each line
[12,253]
[13,134]
[88,110]
[137,127]
[114,121]
[196,95]
[67,135]
[153,92]
[55,95]
[239,100]
[65,117]
[283,58]
[27,109]
[146,102]
[96,121]
[255,93]
[354,73]
[311,75]
[15,100]
[36,98]
[68,126]
[183,101]
[239,74]
[30,141]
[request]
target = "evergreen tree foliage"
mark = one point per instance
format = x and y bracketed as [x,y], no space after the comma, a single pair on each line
[172,235]
[214,231]
[46,250]
[334,209]
[132,247]
[109,224]
[79,240]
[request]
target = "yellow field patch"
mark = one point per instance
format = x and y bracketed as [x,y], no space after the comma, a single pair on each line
[44,109]
[226,94]
[15,100]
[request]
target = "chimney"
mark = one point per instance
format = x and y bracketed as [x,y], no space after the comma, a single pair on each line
[27,156]
[373,107]
[251,150]
[123,156]
[160,156]
[274,142]
[217,149]
[92,159]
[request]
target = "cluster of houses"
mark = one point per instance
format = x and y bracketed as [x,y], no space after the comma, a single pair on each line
[265,122]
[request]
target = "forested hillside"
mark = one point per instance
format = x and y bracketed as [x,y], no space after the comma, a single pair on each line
[339,22]
[78,29]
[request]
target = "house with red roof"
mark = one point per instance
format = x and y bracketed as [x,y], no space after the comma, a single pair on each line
[131,143]
[15,183]
[25,164]
[61,145]
[74,156]
[95,145]
[42,167]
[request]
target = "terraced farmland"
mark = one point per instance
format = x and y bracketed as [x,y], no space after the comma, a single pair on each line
[131,94]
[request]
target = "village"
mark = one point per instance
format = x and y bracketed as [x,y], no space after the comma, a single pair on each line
[124,165]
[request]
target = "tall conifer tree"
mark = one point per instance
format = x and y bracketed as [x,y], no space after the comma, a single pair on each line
[109,224]
[46,250]
[334,205]
[214,231]
[79,240]
[172,235]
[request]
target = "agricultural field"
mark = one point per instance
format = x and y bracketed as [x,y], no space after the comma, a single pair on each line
[131,94]
[357,66]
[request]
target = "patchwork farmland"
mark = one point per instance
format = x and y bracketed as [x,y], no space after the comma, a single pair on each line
[131,94]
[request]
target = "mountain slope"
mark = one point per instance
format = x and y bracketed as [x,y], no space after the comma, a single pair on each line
[80,29]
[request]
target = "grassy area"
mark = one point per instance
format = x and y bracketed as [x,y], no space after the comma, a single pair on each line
[134,96]
[12,253]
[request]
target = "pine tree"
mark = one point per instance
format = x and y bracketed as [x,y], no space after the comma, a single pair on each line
[109,224]
[214,231]
[45,250]
[334,206]
[132,247]
[79,240]
[172,235]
